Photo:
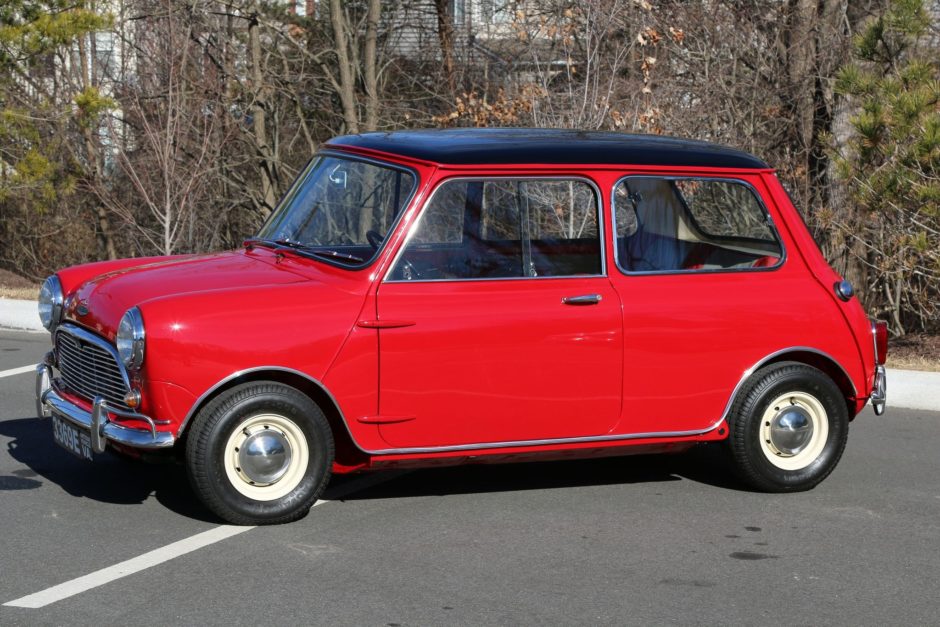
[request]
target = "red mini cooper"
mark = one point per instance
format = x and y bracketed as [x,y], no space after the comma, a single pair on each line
[443,297]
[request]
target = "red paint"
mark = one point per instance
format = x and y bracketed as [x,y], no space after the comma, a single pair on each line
[491,364]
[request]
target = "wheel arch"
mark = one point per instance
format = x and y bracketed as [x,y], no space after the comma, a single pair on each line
[811,357]
[348,454]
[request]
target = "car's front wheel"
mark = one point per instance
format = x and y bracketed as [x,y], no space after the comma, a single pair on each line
[260,453]
[789,427]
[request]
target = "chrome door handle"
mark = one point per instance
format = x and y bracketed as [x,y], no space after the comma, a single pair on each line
[586,299]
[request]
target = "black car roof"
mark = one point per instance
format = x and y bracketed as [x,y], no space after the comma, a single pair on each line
[468,146]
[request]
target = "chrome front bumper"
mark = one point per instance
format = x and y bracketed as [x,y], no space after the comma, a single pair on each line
[879,391]
[98,421]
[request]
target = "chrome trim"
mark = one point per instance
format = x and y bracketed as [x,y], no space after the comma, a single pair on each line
[757,196]
[503,278]
[601,228]
[546,442]
[791,430]
[843,290]
[138,337]
[102,429]
[515,443]
[614,438]
[586,299]
[264,457]
[434,449]
[43,383]
[774,355]
[874,338]
[86,336]
[879,392]
[205,395]
[57,302]
[91,338]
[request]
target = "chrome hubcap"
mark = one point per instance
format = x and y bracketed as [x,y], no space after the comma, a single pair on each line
[264,456]
[791,430]
[794,430]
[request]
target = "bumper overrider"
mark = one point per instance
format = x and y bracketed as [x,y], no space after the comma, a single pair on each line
[98,420]
[879,391]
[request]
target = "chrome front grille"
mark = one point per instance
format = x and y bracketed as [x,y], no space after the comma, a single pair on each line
[89,366]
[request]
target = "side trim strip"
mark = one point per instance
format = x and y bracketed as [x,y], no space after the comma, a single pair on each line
[592,438]
[518,443]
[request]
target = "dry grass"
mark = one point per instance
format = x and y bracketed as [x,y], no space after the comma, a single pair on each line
[15,286]
[24,293]
[915,352]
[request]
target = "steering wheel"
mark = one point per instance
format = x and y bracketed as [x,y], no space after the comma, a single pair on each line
[374,239]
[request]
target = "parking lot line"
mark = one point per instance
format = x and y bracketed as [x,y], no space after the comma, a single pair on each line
[171,551]
[127,567]
[13,371]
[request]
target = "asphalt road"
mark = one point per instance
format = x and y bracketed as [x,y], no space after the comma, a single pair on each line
[637,540]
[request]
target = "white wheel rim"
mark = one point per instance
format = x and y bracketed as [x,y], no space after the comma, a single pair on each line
[286,433]
[794,430]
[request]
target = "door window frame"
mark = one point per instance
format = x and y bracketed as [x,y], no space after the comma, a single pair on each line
[601,228]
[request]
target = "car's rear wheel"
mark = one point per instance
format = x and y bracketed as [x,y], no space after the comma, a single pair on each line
[789,426]
[260,453]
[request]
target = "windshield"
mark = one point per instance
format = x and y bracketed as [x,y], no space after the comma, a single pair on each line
[340,210]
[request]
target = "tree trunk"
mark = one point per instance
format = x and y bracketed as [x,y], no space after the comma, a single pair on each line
[347,84]
[259,122]
[369,62]
[104,233]
[445,34]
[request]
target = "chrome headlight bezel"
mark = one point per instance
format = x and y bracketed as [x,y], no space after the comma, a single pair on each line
[130,339]
[51,303]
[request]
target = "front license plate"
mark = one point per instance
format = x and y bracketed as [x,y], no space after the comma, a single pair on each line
[73,439]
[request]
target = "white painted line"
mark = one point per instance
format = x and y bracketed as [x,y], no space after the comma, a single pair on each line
[14,371]
[129,567]
[170,551]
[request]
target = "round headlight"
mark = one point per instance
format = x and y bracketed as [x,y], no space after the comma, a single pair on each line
[50,302]
[130,339]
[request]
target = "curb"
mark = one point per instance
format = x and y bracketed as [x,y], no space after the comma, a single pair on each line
[910,389]
[20,315]
[913,389]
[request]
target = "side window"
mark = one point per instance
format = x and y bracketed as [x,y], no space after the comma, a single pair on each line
[694,224]
[504,228]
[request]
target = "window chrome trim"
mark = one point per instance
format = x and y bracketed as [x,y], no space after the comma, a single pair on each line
[753,190]
[601,230]
[340,154]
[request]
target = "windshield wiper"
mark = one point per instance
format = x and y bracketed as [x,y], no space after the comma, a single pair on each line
[307,251]
[332,254]
[251,242]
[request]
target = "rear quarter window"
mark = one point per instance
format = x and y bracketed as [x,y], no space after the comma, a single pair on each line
[668,224]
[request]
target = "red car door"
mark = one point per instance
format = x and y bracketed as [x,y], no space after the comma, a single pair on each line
[506,328]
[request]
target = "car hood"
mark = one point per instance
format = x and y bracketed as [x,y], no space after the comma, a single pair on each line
[99,303]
